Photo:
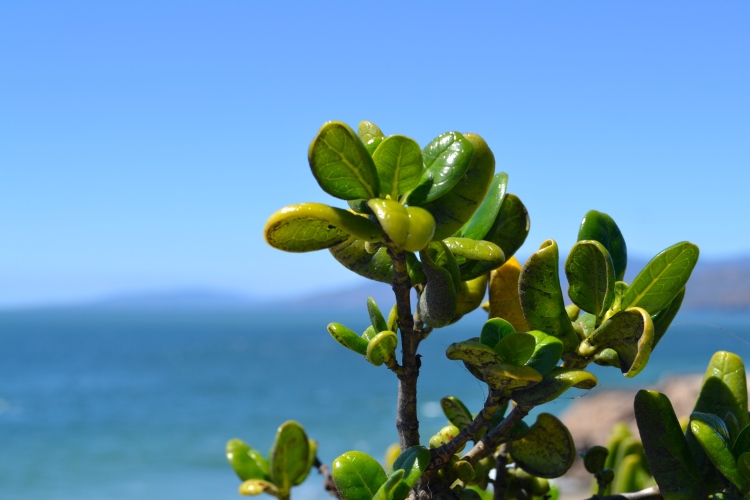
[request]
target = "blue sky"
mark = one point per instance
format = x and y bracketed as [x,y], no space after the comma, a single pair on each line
[145,143]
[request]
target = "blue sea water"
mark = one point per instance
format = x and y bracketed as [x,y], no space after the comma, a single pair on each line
[98,404]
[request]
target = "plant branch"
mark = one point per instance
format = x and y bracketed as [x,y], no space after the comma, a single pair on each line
[441,455]
[651,493]
[487,444]
[328,484]
[407,423]
[500,484]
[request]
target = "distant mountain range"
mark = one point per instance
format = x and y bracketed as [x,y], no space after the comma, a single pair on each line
[714,285]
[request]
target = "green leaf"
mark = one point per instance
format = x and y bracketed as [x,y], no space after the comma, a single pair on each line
[289,456]
[743,466]
[392,217]
[368,131]
[246,462]
[398,161]
[724,388]
[742,443]
[347,338]
[469,295]
[446,160]
[600,227]
[630,333]
[353,255]
[253,487]
[591,277]
[511,226]
[473,353]
[506,377]
[357,475]
[483,219]
[595,458]
[341,164]
[542,298]
[516,348]
[306,227]
[453,209]
[553,385]
[376,317]
[388,488]
[547,450]
[476,257]
[381,347]
[413,461]
[493,330]
[712,436]
[667,452]
[662,278]
[547,352]
[664,318]
[456,412]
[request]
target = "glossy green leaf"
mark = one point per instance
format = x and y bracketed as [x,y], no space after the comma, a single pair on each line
[662,278]
[600,227]
[392,323]
[357,475]
[368,131]
[347,338]
[289,456]
[476,257]
[306,227]
[724,388]
[573,312]
[507,377]
[312,454]
[547,352]
[666,449]
[547,450]
[516,348]
[483,219]
[359,206]
[377,266]
[456,412]
[381,347]
[341,164]
[511,226]
[553,385]
[493,330]
[452,210]
[388,489]
[413,461]
[392,217]
[376,317]
[469,295]
[398,161]
[732,426]
[246,462]
[664,318]
[253,487]
[541,296]
[504,300]
[591,277]
[438,301]
[630,333]
[446,160]
[421,229]
[586,324]
[369,333]
[711,433]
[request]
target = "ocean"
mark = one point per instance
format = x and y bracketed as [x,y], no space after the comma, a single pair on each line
[116,404]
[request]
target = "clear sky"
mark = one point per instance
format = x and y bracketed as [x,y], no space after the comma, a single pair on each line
[144,143]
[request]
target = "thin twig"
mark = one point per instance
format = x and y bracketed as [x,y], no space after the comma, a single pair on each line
[487,444]
[442,454]
[328,484]
[500,484]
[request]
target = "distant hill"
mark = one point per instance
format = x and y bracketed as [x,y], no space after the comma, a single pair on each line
[714,285]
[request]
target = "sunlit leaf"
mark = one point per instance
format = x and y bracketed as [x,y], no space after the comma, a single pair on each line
[446,160]
[398,161]
[357,475]
[600,227]
[547,450]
